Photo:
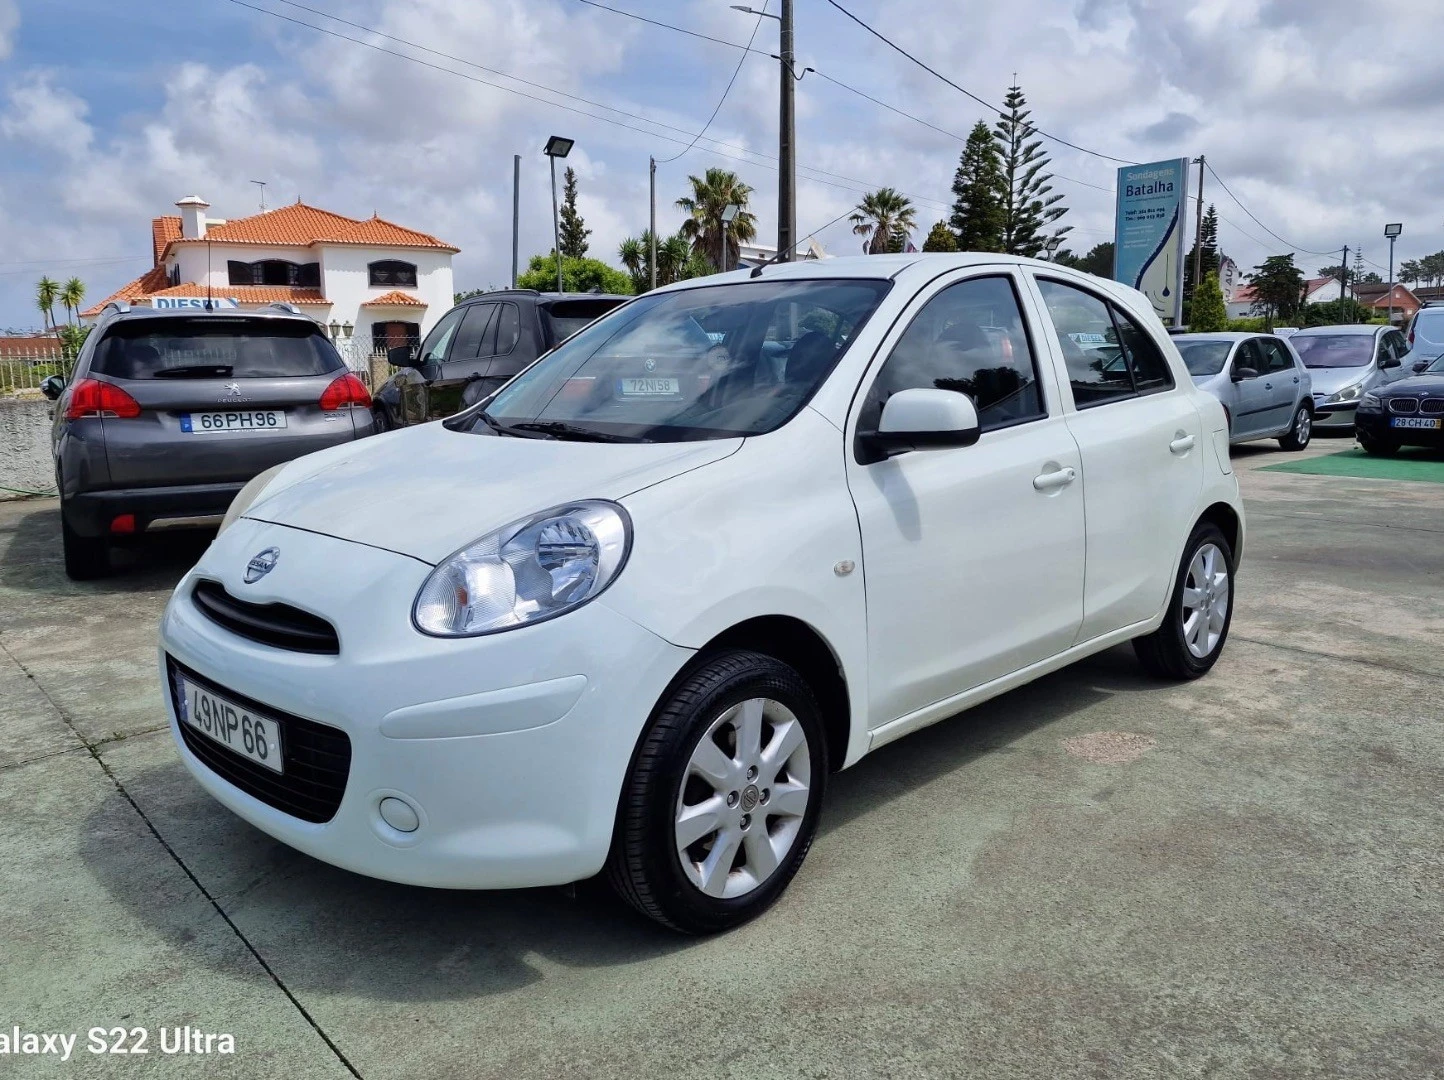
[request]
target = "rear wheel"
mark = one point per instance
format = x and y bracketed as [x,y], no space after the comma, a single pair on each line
[722,801]
[1378,447]
[86,557]
[383,419]
[1301,431]
[1200,610]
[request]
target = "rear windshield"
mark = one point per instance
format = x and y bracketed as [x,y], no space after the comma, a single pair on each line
[1333,350]
[1204,357]
[564,318]
[1429,328]
[214,348]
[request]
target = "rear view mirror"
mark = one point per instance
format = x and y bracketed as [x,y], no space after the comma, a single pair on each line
[401,356]
[922,419]
[53,386]
[1241,373]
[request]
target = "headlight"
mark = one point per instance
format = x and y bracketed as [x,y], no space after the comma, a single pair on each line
[247,495]
[1348,393]
[527,571]
[1369,401]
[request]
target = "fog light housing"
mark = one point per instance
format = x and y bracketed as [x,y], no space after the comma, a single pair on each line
[401,816]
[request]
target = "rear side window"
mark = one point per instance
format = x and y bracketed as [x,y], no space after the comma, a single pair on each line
[215,347]
[1109,356]
[1150,369]
[563,318]
[1278,356]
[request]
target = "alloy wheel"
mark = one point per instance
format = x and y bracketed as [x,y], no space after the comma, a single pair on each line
[743,799]
[1207,592]
[1303,427]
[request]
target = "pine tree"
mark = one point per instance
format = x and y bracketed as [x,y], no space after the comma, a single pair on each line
[1207,238]
[1029,208]
[978,216]
[574,229]
[941,238]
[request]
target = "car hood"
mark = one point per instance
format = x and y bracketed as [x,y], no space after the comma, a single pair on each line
[1426,385]
[1331,380]
[427,491]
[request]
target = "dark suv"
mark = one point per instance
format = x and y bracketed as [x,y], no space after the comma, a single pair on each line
[169,413]
[476,347]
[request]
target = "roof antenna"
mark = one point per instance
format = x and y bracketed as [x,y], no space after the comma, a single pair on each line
[262,185]
[209,306]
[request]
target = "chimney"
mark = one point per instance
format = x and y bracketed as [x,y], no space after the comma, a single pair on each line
[193,217]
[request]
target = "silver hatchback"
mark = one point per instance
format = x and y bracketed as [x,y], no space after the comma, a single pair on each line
[169,413]
[1262,384]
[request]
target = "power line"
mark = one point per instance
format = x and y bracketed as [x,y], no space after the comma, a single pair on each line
[968,93]
[725,91]
[1292,247]
[669,26]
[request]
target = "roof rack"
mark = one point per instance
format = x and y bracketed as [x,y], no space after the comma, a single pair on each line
[117,307]
[289,309]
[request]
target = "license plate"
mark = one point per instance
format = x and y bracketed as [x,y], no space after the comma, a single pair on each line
[221,423]
[235,727]
[650,387]
[1414,422]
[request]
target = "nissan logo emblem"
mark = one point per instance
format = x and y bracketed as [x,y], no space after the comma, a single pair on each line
[261,564]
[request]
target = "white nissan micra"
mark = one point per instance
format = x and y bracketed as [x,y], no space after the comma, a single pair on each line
[627,615]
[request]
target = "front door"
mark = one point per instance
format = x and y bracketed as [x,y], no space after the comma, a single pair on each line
[414,383]
[972,556]
[1281,383]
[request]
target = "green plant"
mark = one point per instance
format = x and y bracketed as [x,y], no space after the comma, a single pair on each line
[1207,313]
[677,260]
[978,214]
[573,229]
[1335,312]
[578,275]
[72,295]
[1029,208]
[941,238]
[1278,287]
[1250,324]
[885,217]
[703,227]
[47,292]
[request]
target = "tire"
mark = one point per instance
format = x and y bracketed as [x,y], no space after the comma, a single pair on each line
[86,557]
[713,704]
[383,420]
[1378,447]
[1167,651]
[1300,432]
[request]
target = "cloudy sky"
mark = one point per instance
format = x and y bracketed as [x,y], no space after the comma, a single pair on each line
[1325,117]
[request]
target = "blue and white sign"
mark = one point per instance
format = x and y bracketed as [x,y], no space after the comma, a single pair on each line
[1148,233]
[216,303]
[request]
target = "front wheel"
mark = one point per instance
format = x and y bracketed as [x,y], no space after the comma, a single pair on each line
[1300,432]
[722,801]
[1200,610]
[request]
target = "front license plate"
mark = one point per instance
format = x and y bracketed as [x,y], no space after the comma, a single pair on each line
[650,387]
[1414,422]
[221,423]
[233,726]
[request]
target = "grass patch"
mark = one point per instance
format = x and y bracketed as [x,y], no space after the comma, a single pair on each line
[1411,463]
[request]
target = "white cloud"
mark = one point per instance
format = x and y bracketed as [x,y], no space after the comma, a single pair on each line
[46,116]
[9,23]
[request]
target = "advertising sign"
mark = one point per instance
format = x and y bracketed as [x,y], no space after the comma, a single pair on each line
[1148,233]
[194,302]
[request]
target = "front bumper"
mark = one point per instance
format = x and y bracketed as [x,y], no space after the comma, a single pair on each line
[1334,417]
[89,513]
[511,749]
[1376,425]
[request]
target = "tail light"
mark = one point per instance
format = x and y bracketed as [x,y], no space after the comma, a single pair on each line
[347,392]
[91,397]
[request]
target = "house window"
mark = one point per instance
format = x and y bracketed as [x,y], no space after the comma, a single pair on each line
[388,273]
[274,272]
[388,335]
[174,276]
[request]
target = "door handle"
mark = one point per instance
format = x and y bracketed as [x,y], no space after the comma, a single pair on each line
[1268,386]
[1181,445]
[1296,380]
[1050,481]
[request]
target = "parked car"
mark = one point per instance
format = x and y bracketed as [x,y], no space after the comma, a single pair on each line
[168,413]
[1409,412]
[1345,363]
[628,615]
[1426,337]
[1264,388]
[476,347]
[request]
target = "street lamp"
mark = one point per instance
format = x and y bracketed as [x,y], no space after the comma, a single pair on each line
[557,147]
[729,215]
[1392,233]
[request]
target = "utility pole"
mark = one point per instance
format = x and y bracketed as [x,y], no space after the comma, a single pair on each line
[1198,233]
[1344,274]
[786,157]
[515,214]
[652,224]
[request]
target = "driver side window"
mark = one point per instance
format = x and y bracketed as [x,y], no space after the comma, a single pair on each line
[433,349]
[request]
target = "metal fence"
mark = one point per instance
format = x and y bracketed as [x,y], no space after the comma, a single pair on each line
[23,368]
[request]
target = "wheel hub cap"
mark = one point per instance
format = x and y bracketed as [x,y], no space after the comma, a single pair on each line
[1207,592]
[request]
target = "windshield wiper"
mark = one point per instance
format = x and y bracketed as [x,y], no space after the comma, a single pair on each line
[557,429]
[193,371]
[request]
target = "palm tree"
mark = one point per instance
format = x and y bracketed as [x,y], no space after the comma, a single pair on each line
[703,227]
[886,217]
[46,293]
[72,295]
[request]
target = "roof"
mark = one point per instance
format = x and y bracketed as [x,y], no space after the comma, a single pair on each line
[149,282]
[299,225]
[30,345]
[1244,294]
[395,298]
[155,283]
[1341,328]
[162,231]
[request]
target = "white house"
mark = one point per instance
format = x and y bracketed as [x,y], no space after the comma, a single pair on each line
[370,282]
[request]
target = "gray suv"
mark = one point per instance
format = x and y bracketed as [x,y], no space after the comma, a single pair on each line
[168,413]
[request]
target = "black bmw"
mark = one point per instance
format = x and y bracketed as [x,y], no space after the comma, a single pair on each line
[1409,412]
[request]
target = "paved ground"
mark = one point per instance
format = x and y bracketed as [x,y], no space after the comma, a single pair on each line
[1097,875]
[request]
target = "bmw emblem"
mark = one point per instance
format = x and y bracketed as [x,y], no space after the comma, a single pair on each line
[261,564]
[649,364]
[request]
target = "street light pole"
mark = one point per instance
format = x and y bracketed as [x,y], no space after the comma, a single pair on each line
[515,214]
[729,215]
[557,147]
[652,225]
[1392,232]
[786,140]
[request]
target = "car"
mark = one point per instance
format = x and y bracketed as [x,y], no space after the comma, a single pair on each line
[476,347]
[1426,337]
[1346,362]
[1264,388]
[1409,412]
[1285,331]
[615,621]
[169,412]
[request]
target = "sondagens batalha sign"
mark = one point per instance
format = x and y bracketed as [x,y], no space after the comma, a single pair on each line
[1148,233]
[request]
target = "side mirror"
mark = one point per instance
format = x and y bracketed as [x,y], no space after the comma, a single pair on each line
[401,356]
[1420,365]
[53,386]
[1242,373]
[922,419]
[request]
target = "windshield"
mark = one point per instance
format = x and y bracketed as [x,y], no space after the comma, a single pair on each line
[1437,367]
[1204,357]
[1333,350]
[564,318]
[712,362]
[216,347]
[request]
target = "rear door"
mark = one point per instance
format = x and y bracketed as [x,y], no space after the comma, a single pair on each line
[1252,405]
[222,398]
[1281,383]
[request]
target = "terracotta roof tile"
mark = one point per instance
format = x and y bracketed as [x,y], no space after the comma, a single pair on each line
[395,298]
[299,225]
[152,279]
[251,294]
[162,231]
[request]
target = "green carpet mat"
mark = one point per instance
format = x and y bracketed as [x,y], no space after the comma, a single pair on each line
[1411,463]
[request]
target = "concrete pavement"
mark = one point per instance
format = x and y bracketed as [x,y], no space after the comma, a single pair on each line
[1097,875]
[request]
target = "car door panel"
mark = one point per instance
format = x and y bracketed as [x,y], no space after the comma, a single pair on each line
[1281,384]
[470,358]
[1251,394]
[416,385]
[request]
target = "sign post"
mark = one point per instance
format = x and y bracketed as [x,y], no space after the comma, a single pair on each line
[1148,233]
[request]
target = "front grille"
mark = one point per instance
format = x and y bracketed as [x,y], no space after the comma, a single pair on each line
[278,625]
[316,759]
[1404,406]
[1432,406]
